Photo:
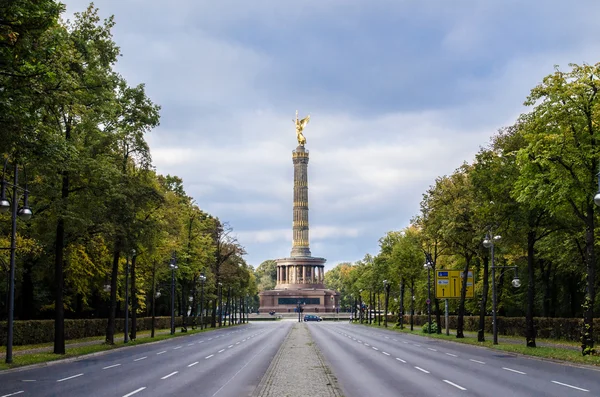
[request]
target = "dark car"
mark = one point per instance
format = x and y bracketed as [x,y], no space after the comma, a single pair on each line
[312,317]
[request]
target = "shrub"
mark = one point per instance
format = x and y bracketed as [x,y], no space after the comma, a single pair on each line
[434,328]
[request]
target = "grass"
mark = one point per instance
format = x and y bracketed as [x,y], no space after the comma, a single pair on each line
[143,337]
[553,353]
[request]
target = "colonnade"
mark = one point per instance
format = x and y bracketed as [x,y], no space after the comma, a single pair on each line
[300,274]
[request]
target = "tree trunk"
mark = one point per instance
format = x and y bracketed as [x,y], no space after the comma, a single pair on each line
[213,320]
[59,280]
[483,303]
[153,300]
[110,327]
[401,314]
[461,305]
[529,326]
[587,337]
[134,301]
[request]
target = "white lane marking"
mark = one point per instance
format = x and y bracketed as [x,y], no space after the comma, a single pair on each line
[366,344]
[134,392]
[401,360]
[454,384]
[13,394]
[387,354]
[192,364]
[221,351]
[422,370]
[453,355]
[209,338]
[571,386]
[141,358]
[395,340]
[230,346]
[207,357]
[178,347]
[243,340]
[111,366]
[404,342]
[374,348]
[191,344]
[514,370]
[70,377]
[237,343]
[476,361]
[433,350]
[164,351]
[171,374]
[387,337]
[416,345]
[359,341]
[353,338]
[28,380]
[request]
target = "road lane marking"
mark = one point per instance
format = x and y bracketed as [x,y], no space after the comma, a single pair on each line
[191,344]
[243,340]
[171,374]
[387,354]
[70,377]
[134,392]
[404,342]
[230,346]
[207,357]
[192,364]
[13,394]
[453,355]
[28,380]
[164,351]
[571,386]
[209,338]
[221,351]
[200,342]
[401,360]
[359,341]
[366,344]
[433,350]
[111,366]
[237,343]
[454,384]
[374,348]
[178,347]
[396,340]
[476,361]
[422,370]
[514,370]
[416,345]
[141,358]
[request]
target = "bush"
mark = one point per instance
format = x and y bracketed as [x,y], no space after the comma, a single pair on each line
[434,328]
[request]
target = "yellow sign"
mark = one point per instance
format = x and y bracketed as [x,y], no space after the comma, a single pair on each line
[448,284]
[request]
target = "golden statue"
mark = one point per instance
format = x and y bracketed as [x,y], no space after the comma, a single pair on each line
[300,124]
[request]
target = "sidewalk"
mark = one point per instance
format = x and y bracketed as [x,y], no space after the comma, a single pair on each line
[298,369]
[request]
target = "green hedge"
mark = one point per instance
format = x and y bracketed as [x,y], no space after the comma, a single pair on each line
[546,327]
[42,331]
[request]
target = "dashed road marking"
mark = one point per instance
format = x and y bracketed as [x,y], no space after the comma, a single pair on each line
[422,370]
[191,344]
[374,348]
[401,360]
[230,346]
[387,354]
[134,392]
[111,366]
[70,377]
[164,351]
[171,374]
[141,358]
[192,364]
[571,386]
[476,361]
[207,357]
[13,394]
[178,347]
[454,384]
[221,351]
[433,350]
[514,370]
[453,355]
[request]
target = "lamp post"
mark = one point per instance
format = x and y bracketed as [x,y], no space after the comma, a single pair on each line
[490,242]
[386,287]
[173,266]
[220,295]
[360,312]
[202,280]
[24,213]
[428,265]
[298,310]
[126,336]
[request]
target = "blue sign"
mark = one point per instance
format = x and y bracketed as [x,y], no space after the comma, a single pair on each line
[442,274]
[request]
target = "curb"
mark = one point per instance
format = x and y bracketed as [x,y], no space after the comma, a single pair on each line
[265,382]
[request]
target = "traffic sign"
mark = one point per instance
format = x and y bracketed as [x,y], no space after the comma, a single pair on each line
[448,284]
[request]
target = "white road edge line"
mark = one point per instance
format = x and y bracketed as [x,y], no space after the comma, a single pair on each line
[70,377]
[171,374]
[571,386]
[476,361]
[453,355]
[514,370]
[141,358]
[401,360]
[134,392]
[423,370]
[387,354]
[207,357]
[13,394]
[111,366]
[454,384]
[164,351]
[192,364]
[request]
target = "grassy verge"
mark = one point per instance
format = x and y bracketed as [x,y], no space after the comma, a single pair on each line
[555,353]
[75,351]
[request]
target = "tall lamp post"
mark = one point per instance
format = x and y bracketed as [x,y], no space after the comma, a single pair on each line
[173,266]
[360,311]
[220,297]
[490,242]
[202,280]
[126,336]
[428,265]
[386,287]
[24,213]
[299,310]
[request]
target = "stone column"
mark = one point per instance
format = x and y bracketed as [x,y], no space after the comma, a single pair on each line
[300,244]
[303,274]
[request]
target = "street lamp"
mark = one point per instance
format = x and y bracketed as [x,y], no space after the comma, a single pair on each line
[360,313]
[386,287]
[202,280]
[126,337]
[173,266]
[428,265]
[24,213]
[490,242]
[298,310]
[220,297]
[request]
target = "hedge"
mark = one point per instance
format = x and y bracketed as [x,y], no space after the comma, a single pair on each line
[42,331]
[546,327]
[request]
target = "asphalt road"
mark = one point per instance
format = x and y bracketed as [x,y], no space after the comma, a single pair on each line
[371,362]
[225,363]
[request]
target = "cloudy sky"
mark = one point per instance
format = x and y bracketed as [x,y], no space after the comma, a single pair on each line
[399,92]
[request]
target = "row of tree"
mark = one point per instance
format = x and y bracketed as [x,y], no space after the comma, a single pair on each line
[75,130]
[534,185]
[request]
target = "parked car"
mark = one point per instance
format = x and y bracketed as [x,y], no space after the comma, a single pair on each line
[312,317]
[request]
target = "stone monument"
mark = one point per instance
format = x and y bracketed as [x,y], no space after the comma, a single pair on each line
[300,277]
